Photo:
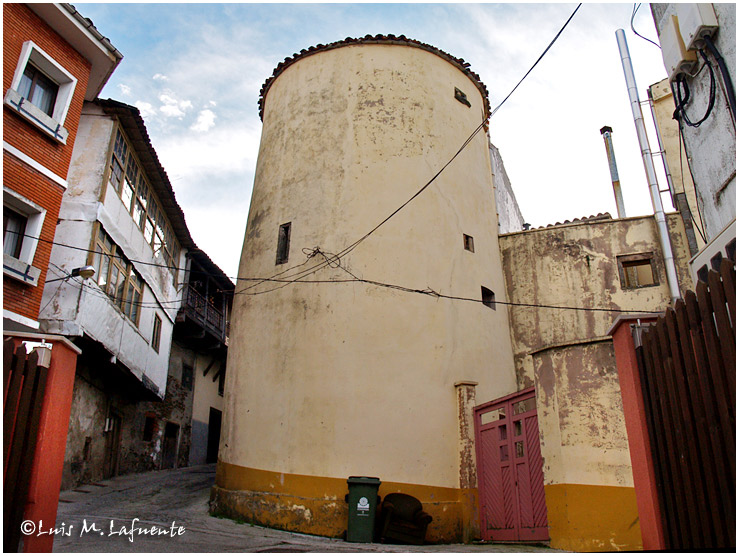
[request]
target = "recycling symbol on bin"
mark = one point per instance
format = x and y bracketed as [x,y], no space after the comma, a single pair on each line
[363,504]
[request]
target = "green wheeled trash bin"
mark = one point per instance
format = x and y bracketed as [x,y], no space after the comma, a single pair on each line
[362,499]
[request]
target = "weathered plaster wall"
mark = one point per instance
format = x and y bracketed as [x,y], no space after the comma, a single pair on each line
[575,265]
[331,380]
[677,159]
[69,308]
[205,396]
[711,147]
[569,357]
[510,218]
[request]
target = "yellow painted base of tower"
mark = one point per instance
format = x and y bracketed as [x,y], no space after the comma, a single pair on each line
[316,506]
[592,518]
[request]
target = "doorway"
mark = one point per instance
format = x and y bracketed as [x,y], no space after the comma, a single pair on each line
[509,463]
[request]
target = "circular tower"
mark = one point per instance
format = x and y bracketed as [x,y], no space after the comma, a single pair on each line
[331,374]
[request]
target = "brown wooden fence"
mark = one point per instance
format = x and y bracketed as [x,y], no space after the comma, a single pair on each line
[24,384]
[687,365]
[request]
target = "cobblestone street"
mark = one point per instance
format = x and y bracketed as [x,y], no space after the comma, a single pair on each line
[100,518]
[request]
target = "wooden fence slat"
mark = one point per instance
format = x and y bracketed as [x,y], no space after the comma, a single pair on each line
[696,488]
[724,331]
[728,279]
[714,473]
[678,426]
[8,347]
[10,408]
[20,494]
[676,503]
[659,449]
[717,372]
[687,363]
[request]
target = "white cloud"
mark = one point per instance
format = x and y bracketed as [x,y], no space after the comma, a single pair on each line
[206,120]
[172,107]
[146,109]
[160,77]
[125,89]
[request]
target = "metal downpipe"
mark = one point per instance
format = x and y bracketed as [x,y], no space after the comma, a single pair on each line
[646,153]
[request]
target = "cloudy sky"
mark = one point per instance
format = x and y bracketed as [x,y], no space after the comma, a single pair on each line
[195,71]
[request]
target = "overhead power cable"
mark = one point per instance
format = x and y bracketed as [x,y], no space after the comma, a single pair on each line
[537,61]
[633,15]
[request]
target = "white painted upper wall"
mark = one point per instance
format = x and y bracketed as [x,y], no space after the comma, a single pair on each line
[711,147]
[72,309]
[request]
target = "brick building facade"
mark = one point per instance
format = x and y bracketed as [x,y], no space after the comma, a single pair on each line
[53,59]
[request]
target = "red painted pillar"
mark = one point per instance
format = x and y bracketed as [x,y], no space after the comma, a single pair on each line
[46,472]
[650,518]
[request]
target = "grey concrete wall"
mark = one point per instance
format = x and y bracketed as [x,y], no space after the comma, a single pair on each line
[199,443]
[510,218]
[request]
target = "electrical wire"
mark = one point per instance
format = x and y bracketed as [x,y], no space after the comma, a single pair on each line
[537,61]
[725,76]
[633,15]
[681,82]
[307,272]
[700,229]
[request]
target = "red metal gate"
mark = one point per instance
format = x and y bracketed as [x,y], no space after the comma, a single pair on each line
[510,478]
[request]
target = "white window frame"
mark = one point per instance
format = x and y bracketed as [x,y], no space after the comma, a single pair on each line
[51,125]
[22,268]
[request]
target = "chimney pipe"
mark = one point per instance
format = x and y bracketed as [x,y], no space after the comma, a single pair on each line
[606,133]
[646,154]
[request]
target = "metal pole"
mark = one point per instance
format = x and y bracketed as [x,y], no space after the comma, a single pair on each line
[606,133]
[646,153]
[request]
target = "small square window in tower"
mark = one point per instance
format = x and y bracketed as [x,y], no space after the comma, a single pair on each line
[469,243]
[283,244]
[637,271]
[461,97]
[488,297]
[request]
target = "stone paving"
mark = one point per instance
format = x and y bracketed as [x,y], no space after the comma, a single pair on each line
[122,515]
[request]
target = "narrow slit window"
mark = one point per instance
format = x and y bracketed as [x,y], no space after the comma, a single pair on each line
[469,243]
[283,244]
[488,297]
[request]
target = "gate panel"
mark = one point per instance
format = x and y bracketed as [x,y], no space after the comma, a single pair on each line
[511,482]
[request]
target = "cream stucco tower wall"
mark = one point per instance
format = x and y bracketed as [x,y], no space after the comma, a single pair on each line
[330,380]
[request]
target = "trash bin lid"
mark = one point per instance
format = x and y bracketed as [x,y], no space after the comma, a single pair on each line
[363,481]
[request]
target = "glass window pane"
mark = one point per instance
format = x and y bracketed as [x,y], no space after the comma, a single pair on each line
[24,87]
[139,215]
[135,302]
[504,453]
[113,283]
[104,269]
[128,193]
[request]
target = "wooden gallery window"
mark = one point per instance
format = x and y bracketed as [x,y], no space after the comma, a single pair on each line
[637,271]
[116,276]
[130,182]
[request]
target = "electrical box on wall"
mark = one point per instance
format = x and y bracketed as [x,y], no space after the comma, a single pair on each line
[677,58]
[696,20]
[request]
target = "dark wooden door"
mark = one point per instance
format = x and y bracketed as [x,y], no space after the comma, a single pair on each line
[509,463]
[214,435]
[112,445]
[169,449]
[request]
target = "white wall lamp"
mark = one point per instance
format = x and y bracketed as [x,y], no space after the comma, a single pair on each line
[87,271]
